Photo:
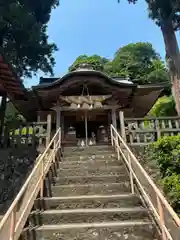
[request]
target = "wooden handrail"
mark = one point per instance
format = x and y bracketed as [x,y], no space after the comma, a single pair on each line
[152,118]
[39,161]
[158,193]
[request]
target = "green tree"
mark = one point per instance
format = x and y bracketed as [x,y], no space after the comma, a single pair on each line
[12,116]
[165,106]
[23,35]
[159,72]
[95,62]
[165,13]
[139,62]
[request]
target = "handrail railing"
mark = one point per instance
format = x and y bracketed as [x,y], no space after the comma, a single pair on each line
[144,131]
[166,218]
[15,218]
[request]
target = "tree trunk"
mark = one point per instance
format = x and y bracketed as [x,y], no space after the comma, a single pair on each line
[173,58]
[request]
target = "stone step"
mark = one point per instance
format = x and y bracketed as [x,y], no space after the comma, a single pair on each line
[91,179]
[90,163]
[125,230]
[92,215]
[92,201]
[89,148]
[90,189]
[83,171]
[86,152]
[99,155]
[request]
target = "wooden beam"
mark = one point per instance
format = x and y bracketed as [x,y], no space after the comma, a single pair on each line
[104,107]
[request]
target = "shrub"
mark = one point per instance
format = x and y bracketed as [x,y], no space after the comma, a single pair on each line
[166,151]
[171,186]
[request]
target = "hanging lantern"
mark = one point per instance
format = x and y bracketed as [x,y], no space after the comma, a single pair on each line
[78,106]
[73,106]
[98,105]
[85,106]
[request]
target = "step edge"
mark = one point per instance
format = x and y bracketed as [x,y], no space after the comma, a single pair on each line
[90,176]
[98,153]
[93,197]
[95,210]
[89,184]
[95,225]
[88,152]
[92,160]
[91,168]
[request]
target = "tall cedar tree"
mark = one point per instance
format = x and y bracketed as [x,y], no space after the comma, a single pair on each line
[166,14]
[23,35]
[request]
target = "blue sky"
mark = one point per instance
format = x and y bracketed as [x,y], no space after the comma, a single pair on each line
[97,27]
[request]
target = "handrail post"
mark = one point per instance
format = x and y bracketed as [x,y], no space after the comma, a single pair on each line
[111,130]
[54,143]
[42,180]
[161,215]
[117,147]
[54,149]
[12,225]
[59,138]
[130,174]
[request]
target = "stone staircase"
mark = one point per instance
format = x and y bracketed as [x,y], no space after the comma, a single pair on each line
[90,199]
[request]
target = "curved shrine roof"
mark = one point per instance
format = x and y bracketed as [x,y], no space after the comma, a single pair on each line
[134,99]
[81,72]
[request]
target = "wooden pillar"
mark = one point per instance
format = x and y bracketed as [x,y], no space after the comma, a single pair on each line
[2,114]
[113,114]
[109,123]
[122,125]
[58,119]
[86,128]
[62,124]
[48,137]
[38,117]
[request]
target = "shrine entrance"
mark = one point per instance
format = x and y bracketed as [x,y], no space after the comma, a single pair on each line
[91,127]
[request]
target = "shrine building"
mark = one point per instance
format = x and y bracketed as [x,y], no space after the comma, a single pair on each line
[85,102]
